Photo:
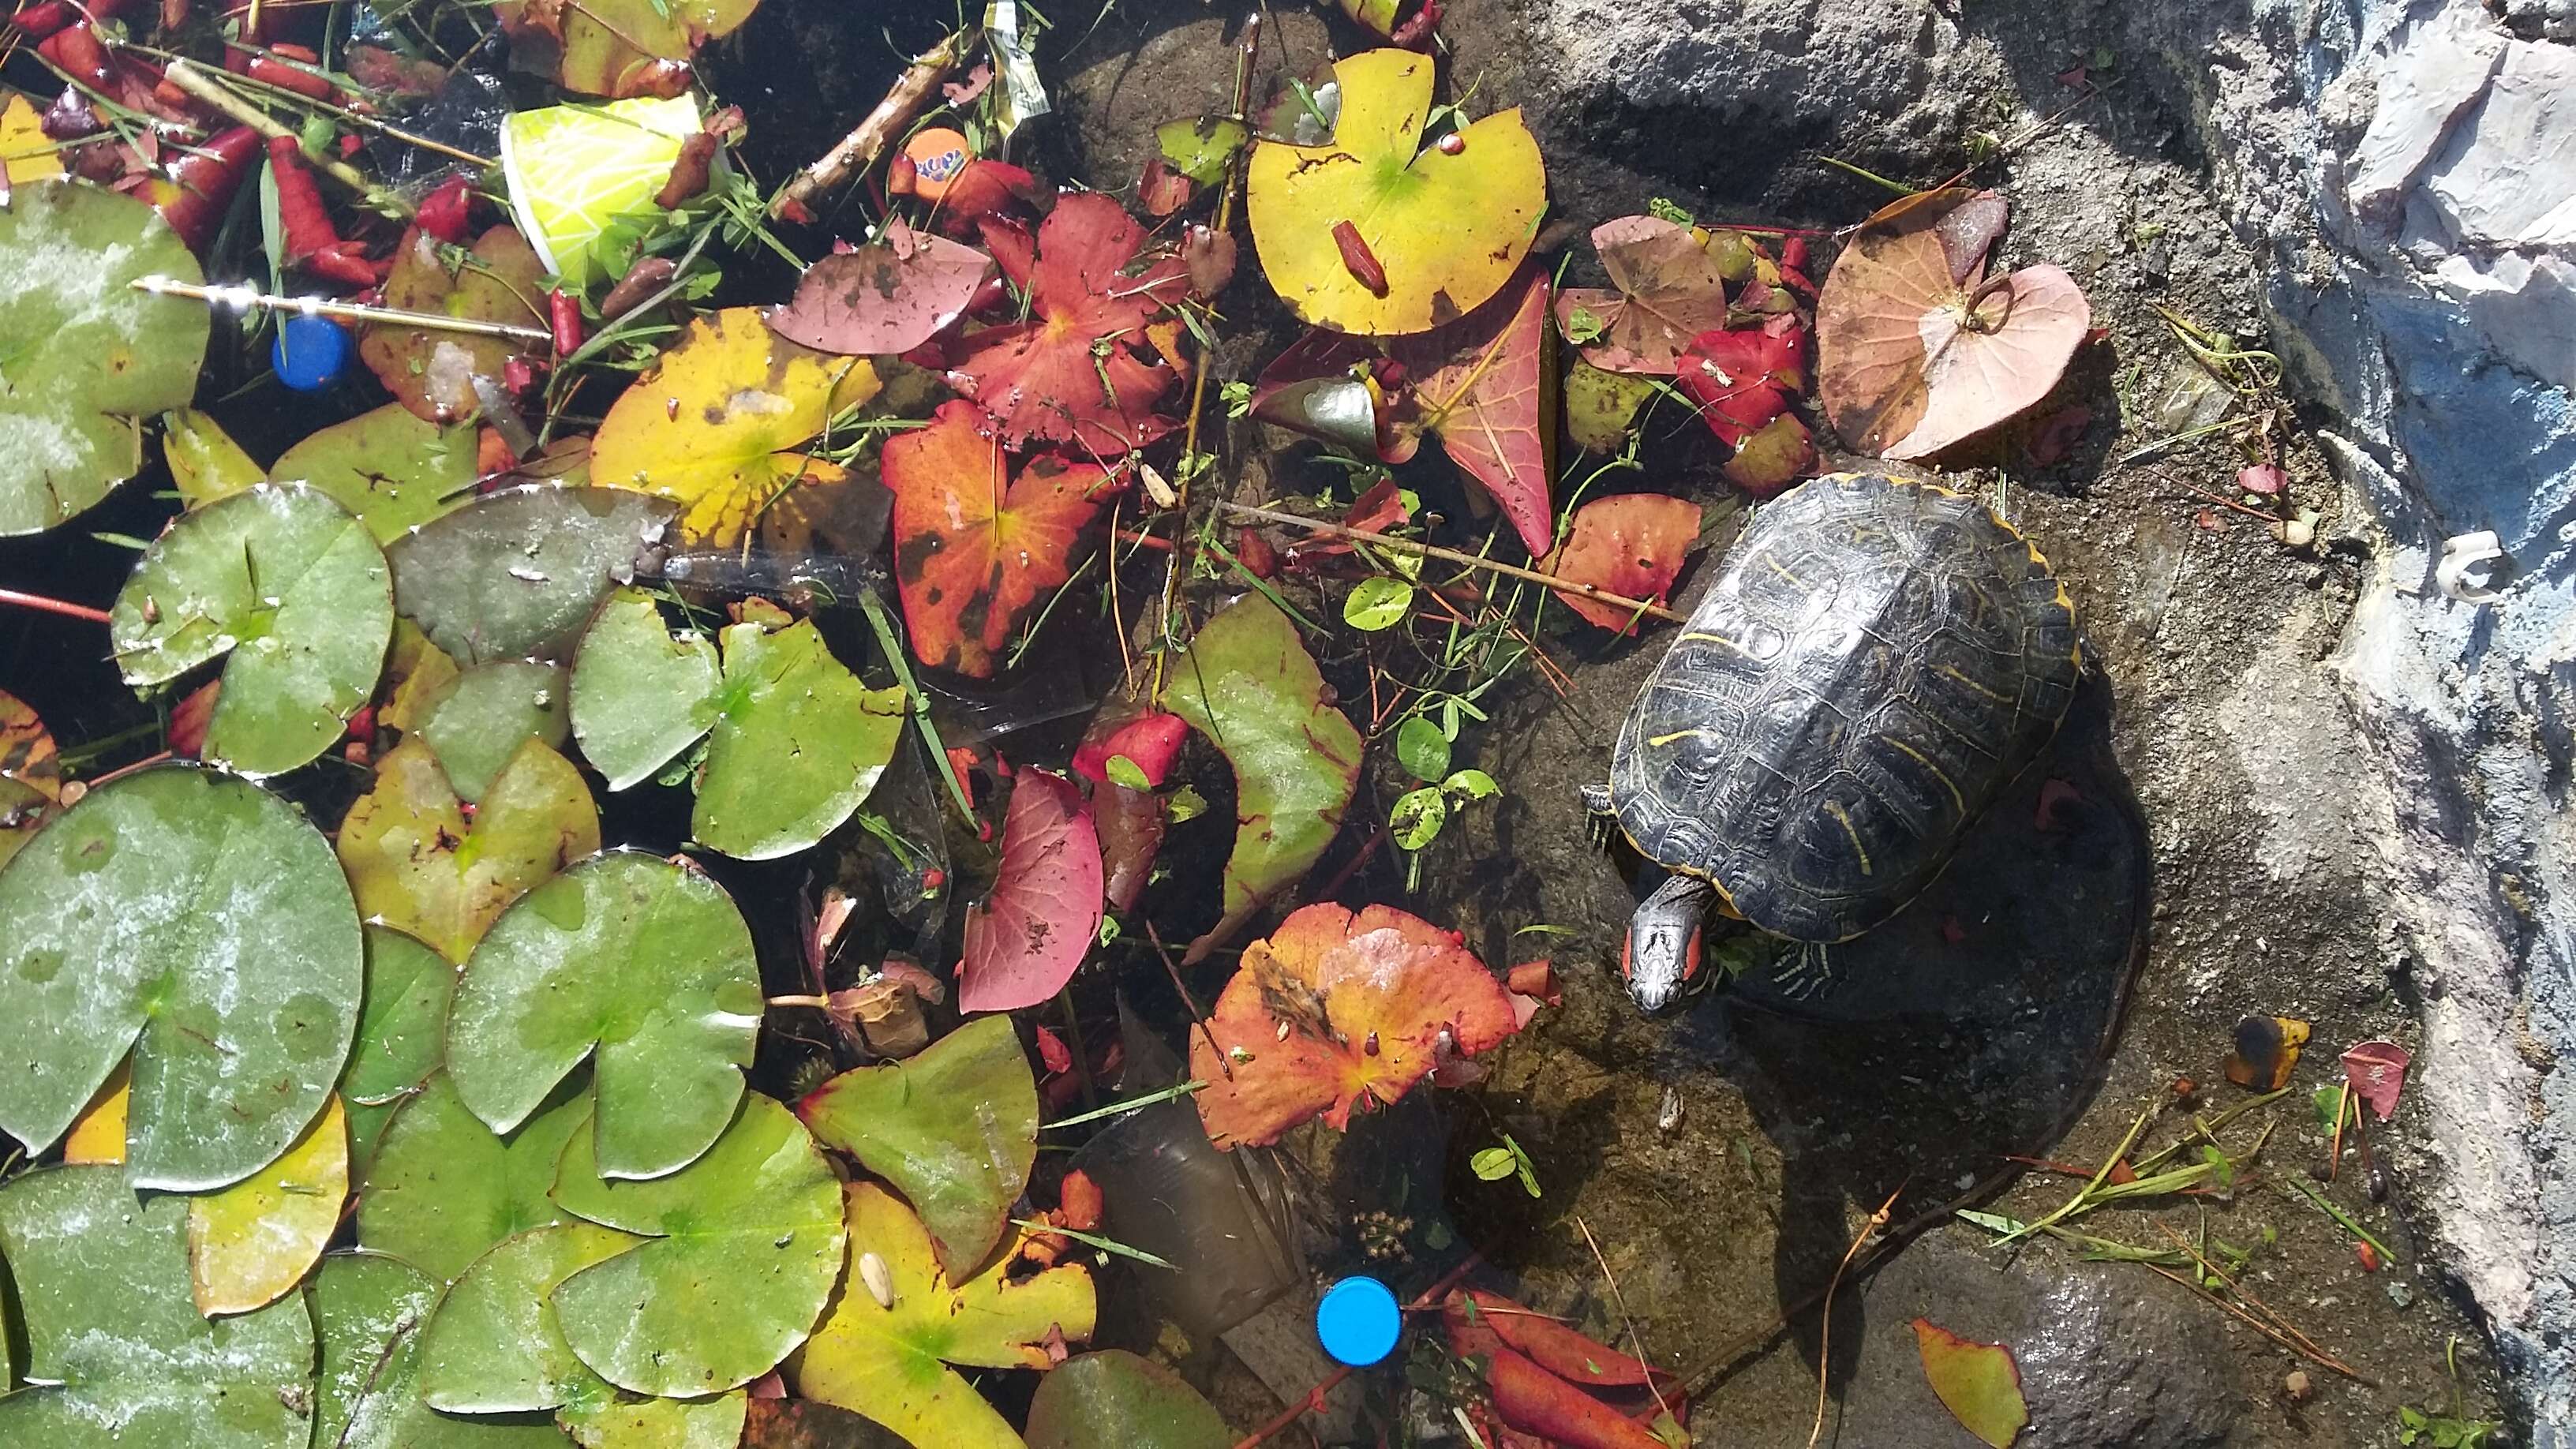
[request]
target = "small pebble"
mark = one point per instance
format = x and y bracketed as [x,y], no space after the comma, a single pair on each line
[2321,1170]
[2378,1183]
[2297,1386]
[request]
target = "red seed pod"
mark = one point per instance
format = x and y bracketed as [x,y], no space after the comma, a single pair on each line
[289,78]
[2368,1255]
[1452,144]
[563,312]
[443,212]
[1358,259]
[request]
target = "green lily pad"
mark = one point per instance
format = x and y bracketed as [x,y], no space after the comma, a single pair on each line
[368,1312]
[494,1347]
[1114,1397]
[795,742]
[87,356]
[517,573]
[387,467]
[1248,684]
[402,1028]
[631,1423]
[745,1247]
[204,460]
[479,719]
[444,1188]
[114,1337]
[201,921]
[645,963]
[288,585]
[954,1128]
[630,655]
[416,863]
[623,47]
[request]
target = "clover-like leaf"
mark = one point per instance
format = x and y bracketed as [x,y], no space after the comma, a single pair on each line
[415,863]
[1111,1396]
[517,573]
[643,966]
[1071,372]
[1370,233]
[386,466]
[974,547]
[886,297]
[431,371]
[1025,939]
[720,422]
[1666,289]
[1629,544]
[742,1247]
[368,1313]
[494,1346]
[285,582]
[444,1188]
[117,1354]
[890,1360]
[205,917]
[477,722]
[955,1129]
[250,1244]
[1335,1009]
[622,47]
[88,355]
[1248,684]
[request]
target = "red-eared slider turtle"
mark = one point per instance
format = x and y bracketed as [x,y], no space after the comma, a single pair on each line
[1880,657]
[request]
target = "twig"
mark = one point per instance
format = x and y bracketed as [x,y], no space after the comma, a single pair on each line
[1825,1323]
[2334,1149]
[1636,1343]
[1198,1017]
[337,112]
[1313,1399]
[2302,1344]
[53,606]
[185,75]
[860,149]
[1466,560]
[244,298]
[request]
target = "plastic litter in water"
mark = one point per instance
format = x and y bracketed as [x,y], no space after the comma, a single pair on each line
[1358,1320]
[310,353]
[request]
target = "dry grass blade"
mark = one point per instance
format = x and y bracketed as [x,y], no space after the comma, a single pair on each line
[1825,1325]
[2279,1329]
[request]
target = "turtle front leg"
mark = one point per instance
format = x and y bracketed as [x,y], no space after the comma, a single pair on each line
[1807,973]
[1601,818]
[1661,957]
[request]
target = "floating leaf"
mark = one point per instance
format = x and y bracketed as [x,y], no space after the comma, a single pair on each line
[888,296]
[478,722]
[386,466]
[1977,1382]
[1668,290]
[206,917]
[416,864]
[811,1424]
[495,1346]
[1248,684]
[89,356]
[1630,544]
[27,154]
[645,966]
[1743,378]
[1914,354]
[288,585]
[719,422]
[622,47]
[444,1188]
[1601,407]
[1779,454]
[1113,1397]
[1024,940]
[31,778]
[742,1247]
[432,371]
[1480,386]
[117,1354]
[955,1129]
[517,573]
[204,460]
[99,1133]
[1334,1009]
[974,547]
[891,1363]
[1200,148]
[1448,227]
[402,1028]
[640,693]
[252,1242]
[1071,373]
[368,1311]
[2377,1071]
[626,1423]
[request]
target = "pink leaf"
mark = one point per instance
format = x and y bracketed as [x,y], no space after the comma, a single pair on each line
[2264,478]
[2377,1071]
[1668,290]
[1025,939]
[884,298]
[1477,389]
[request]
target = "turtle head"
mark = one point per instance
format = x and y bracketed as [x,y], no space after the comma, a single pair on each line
[1660,960]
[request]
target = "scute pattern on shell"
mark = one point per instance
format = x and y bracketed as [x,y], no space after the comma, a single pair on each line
[1878,660]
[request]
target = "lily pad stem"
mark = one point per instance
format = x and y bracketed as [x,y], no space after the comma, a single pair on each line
[890,643]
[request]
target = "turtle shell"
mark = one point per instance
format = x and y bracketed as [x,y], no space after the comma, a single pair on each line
[1878,660]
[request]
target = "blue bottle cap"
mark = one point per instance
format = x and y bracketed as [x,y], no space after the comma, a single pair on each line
[1358,1321]
[309,353]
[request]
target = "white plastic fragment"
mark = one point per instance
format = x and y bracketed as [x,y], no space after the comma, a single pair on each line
[2473,567]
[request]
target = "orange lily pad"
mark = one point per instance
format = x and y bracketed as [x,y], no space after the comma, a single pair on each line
[432,372]
[1335,1009]
[1630,544]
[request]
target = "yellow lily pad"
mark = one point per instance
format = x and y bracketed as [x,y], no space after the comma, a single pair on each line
[414,862]
[1447,226]
[26,150]
[251,1243]
[720,423]
[98,1134]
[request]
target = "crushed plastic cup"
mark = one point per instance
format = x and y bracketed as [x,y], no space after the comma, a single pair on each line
[574,169]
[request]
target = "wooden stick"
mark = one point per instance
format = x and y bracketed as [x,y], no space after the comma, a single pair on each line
[860,149]
[185,75]
[244,298]
[1468,560]
[2334,1149]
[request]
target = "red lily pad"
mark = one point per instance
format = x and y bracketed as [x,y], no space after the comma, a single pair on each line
[1335,1009]
[974,547]
[1630,544]
[888,297]
[1024,941]
[1668,290]
[1979,1383]
[1479,385]
[1743,377]
[1069,373]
